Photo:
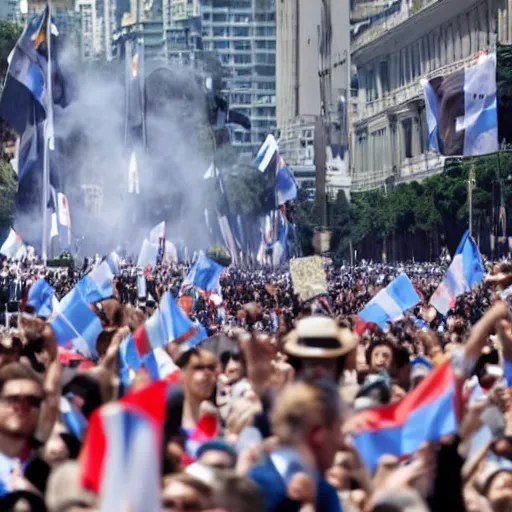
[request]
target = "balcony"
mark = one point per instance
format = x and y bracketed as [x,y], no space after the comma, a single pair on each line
[361,111]
[382,22]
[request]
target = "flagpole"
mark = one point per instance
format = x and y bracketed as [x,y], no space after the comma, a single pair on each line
[49,142]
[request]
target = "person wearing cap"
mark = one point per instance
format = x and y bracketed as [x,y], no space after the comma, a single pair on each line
[318,346]
[217,454]
[421,367]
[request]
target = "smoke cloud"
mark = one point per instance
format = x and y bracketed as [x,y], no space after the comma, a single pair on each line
[93,154]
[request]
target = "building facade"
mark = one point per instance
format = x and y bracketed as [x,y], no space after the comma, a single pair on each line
[243,34]
[10,10]
[300,28]
[392,49]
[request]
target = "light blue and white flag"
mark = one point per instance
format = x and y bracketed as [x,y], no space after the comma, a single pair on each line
[41,297]
[390,304]
[461,109]
[465,271]
[97,285]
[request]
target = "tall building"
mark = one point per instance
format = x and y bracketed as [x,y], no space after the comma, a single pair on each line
[392,47]
[10,10]
[243,34]
[89,33]
[303,26]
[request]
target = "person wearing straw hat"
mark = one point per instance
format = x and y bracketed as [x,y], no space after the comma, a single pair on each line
[318,346]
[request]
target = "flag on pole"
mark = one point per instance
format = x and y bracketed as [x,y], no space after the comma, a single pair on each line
[13,246]
[390,304]
[461,109]
[75,325]
[465,270]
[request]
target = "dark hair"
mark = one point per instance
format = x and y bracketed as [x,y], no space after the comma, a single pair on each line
[229,355]
[18,371]
[184,359]
[379,342]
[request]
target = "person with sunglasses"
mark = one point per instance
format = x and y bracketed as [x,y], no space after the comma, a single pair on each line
[21,398]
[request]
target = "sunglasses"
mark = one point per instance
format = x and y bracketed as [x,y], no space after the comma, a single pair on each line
[32,401]
[191,506]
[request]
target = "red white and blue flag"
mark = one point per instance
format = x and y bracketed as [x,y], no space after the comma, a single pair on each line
[425,414]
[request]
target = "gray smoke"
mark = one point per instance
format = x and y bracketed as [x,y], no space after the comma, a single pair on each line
[92,132]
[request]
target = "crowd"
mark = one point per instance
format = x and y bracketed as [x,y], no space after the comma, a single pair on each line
[283,382]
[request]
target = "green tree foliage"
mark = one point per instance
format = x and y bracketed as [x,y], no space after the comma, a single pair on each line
[8,187]
[9,33]
[416,219]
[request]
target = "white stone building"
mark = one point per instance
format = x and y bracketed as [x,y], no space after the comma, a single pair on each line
[392,48]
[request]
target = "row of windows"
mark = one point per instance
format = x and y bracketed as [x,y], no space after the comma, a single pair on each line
[461,37]
[372,152]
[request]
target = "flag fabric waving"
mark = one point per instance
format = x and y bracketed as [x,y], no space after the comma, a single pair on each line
[41,297]
[425,414]
[461,108]
[13,246]
[97,285]
[465,270]
[391,303]
[205,274]
[123,437]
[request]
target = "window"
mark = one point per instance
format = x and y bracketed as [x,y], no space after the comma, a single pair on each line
[401,68]
[242,59]
[372,90]
[384,76]
[241,31]
[221,45]
[407,138]
[219,17]
[220,32]
[242,45]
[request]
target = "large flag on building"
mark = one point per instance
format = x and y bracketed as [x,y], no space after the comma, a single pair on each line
[465,270]
[461,109]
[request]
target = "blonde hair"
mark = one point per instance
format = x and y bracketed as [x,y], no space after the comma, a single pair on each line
[303,406]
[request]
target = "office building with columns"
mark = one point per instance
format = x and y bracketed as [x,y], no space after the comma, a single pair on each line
[392,48]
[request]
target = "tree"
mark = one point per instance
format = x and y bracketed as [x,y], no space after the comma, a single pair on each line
[9,34]
[8,187]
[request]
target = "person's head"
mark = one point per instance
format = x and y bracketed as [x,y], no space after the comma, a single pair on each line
[499,491]
[232,365]
[21,396]
[64,492]
[199,371]
[404,500]
[318,346]
[380,355]
[184,493]
[310,414]
[237,494]
[217,454]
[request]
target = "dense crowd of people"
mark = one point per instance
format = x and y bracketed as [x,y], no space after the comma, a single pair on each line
[284,382]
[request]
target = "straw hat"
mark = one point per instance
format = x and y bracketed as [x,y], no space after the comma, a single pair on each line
[319,337]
